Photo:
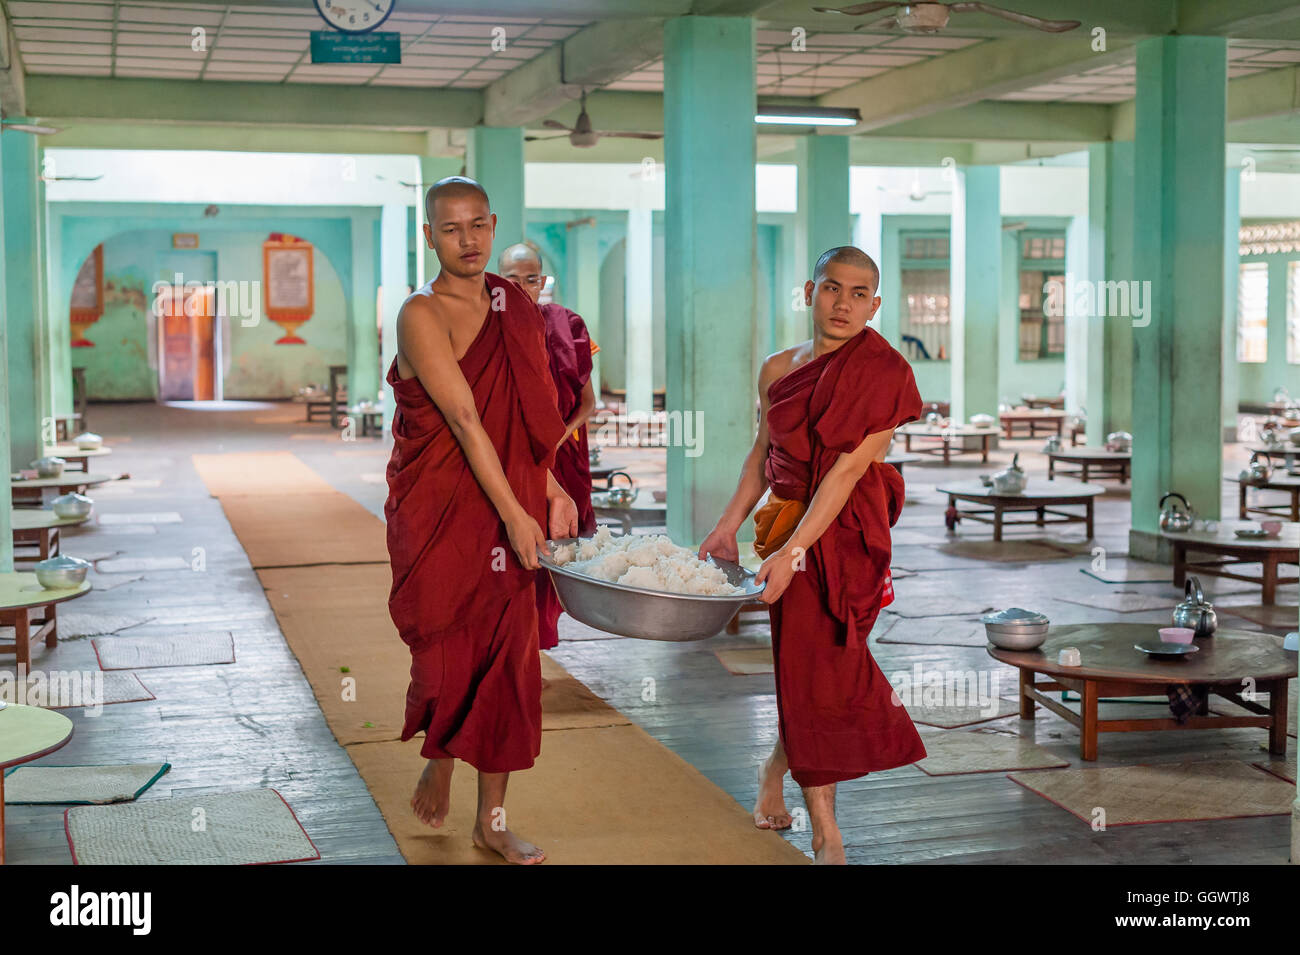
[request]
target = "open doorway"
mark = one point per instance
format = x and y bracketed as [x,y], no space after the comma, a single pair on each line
[187,339]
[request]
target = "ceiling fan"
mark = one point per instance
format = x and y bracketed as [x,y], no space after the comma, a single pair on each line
[916,193]
[23,127]
[933,17]
[581,134]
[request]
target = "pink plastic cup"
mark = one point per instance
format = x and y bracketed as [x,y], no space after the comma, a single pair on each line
[1176,634]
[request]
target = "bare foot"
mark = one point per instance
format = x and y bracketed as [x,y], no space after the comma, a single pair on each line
[432,796]
[507,844]
[829,850]
[769,808]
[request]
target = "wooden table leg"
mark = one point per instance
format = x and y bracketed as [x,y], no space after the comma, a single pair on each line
[1051,469]
[1085,472]
[1241,508]
[947,450]
[1088,731]
[2,817]
[1180,564]
[1041,515]
[22,640]
[1295,504]
[997,522]
[1277,690]
[1088,520]
[1026,701]
[52,638]
[1269,580]
[907,442]
[985,449]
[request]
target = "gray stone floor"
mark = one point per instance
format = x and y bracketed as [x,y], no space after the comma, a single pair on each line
[255,723]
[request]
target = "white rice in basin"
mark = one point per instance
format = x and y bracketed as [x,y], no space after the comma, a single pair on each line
[649,561]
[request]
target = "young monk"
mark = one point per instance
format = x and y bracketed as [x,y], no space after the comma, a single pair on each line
[828,408]
[569,347]
[469,489]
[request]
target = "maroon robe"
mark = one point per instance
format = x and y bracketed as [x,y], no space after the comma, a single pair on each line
[568,345]
[837,715]
[460,598]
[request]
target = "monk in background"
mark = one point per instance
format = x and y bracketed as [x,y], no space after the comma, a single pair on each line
[828,409]
[469,491]
[569,347]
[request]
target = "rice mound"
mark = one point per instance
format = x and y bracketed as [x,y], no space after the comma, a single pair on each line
[649,561]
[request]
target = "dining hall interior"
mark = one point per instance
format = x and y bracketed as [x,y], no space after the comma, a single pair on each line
[1085,219]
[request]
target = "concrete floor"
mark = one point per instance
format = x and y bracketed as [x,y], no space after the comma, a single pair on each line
[255,723]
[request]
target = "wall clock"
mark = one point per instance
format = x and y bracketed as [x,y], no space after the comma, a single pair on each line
[354,16]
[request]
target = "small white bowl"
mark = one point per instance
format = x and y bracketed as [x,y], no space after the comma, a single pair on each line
[1069,657]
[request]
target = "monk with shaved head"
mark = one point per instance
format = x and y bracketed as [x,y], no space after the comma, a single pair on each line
[828,409]
[570,349]
[469,493]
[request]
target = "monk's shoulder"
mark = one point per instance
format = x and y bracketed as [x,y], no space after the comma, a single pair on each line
[778,363]
[420,313]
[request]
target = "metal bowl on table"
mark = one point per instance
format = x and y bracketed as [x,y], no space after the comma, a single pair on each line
[1016,629]
[72,505]
[648,614]
[88,441]
[49,467]
[62,572]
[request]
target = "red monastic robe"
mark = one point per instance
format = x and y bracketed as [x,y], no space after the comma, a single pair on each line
[568,344]
[836,712]
[460,599]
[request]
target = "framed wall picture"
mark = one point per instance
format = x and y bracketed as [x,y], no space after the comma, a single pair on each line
[288,286]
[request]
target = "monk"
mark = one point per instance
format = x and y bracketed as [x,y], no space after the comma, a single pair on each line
[569,347]
[469,490]
[828,409]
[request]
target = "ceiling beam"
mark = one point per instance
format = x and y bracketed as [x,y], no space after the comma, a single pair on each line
[530,9]
[13,94]
[589,59]
[1241,18]
[1008,121]
[1260,96]
[290,104]
[264,138]
[979,72]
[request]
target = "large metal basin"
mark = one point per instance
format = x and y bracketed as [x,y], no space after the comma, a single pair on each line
[648,614]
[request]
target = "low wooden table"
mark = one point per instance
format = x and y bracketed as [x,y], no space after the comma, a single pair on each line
[30,609]
[1098,460]
[898,460]
[946,437]
[1112,667]
[1278,481]
[1041,498]
[75,455]
[40,527]
[1230,550]
[1055,402]
[642,512]
[1051,422]
[34,490]
[27,733]
[1285,453]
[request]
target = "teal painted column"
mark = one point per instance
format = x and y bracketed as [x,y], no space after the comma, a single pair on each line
[1078,319]
[363,325]
[56,333]
[1231,276]
[1097,397]
[1178,249]
[433,168]
[24,299]
[638,312]
[6,494]
[494,156]
[393,285]
[823,220]
[581,290]
[709,153]
[976,269]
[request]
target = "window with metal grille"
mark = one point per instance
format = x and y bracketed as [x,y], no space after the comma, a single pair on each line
[1252,312]
[924,292]
[1042,295]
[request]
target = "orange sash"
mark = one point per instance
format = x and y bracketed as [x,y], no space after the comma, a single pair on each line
[774,522]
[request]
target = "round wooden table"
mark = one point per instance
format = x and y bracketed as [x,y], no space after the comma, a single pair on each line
[30,609]
[40,526]
[898,460]
[1112,667]
[1278,481]
[71,453]
[1051,422]
[644,511]
[1033,402]
[1102,462]
[33,490]
[946,436]
[1230,550]
[1284,452]
[27,733]
[1041,498]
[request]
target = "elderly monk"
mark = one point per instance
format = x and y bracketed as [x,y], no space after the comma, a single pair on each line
[569,346]
[828,409]
[469,489]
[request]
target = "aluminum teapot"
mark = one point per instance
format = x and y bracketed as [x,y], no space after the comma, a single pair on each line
[593,455]
[1177,518]
[1119,441]
[620,495]
[1195,612]
[1258,471]
[1012,480]
[934,419]
[1269,436]
[1052,445]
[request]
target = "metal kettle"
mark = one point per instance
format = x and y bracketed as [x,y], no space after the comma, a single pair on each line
[1257,471]
[1052,445]
[1012,480]
[1195,612]
[620,495]
[1176,518]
